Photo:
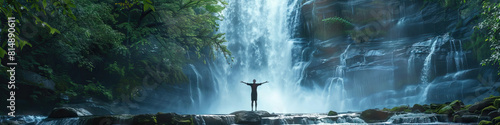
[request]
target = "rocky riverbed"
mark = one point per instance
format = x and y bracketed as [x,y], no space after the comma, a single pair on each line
[482,112]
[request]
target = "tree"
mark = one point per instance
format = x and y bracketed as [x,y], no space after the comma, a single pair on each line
[29,10]
[489,28]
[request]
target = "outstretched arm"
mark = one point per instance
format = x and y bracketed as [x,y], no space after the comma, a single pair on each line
[263,82]
[244,82]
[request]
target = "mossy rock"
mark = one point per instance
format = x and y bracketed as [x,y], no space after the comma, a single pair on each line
[457,118]
[488,109]
[417,108]
[332,113]
[435,106]
[451,107]
[372,115]
[428,111]
[496,120]
[496,103]
[144,119]
[467,106]
[445,110]
[403,108]
[491,98]
[484,122]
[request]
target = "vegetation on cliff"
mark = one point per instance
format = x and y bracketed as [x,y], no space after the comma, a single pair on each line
[102,49]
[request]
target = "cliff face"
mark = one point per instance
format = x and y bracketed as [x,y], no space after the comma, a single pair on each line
[399,51]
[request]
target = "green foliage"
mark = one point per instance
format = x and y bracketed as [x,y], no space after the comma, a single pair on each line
[46,71]
[488,30]
[87,40]
[154,119]
[30,9]
[97,90]
[115,68]
[338,20]
[119,44]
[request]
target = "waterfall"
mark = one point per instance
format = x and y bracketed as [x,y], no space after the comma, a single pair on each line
[336,84]
[197,90]
[427,63]
[261,38]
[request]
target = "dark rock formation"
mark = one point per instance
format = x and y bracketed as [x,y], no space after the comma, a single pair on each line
[417,108]
[372,116]
[250,117]
[64,112]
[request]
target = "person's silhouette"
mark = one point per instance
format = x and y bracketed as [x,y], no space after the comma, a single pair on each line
[254,91]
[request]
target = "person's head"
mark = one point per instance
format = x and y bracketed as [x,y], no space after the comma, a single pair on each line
[254,81]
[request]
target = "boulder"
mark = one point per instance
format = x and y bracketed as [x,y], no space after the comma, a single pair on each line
[494,114]
[487,110]
[64,112]
[417,108]
[496,120]
[451,107]
[496,103]
[372,115]
[249,117]
[332,113]
[466,119]
[478,106]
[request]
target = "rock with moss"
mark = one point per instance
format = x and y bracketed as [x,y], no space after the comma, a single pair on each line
[162,118]
[478,106]
[417,108]
[434,106]
[487,110]
[445,110]
[451,107]
[496,120]
[496,103]
[249,117]
[373,115]
[484,122]
[403,108]
[494,113]
[332,113]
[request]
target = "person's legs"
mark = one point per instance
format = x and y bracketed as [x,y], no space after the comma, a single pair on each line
[252,105]
[255,105]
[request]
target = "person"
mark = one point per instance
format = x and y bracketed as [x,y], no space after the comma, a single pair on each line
[254,91]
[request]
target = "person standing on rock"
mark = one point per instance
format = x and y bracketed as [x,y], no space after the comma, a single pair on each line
[254,91]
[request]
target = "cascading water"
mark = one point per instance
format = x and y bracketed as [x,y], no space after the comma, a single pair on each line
[310,75]
[262,38]
[335,90]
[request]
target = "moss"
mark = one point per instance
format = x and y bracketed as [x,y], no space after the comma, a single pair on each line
[403,108]
[496,120]
[484,122]
[386,109]
[496,103]
[488,109]
[467,106]
[332,113]
[456,118]
[446,110]
[492,97]
[428,111]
